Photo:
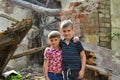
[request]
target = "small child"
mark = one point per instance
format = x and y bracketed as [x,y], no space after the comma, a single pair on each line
[74,58]
[53,58]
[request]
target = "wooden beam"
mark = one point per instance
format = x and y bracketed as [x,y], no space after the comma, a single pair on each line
[29,52]
[14,35]
[99,70]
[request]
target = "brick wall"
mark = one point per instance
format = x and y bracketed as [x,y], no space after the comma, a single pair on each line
[104,23]
[94,27]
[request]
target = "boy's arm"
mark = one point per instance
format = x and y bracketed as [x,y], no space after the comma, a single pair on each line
[45,69]
[83,60]
[45,65]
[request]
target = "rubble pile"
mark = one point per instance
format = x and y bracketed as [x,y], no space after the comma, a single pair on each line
[32,72]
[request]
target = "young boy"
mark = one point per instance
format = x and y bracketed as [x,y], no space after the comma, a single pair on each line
[53,58]
[74,58]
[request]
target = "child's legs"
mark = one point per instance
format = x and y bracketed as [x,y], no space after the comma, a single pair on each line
[53,76]
[67,75]
[71,75]
[58,77]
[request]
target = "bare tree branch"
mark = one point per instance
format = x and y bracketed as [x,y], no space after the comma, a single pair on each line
[39,9]
[50,23]
[35,2]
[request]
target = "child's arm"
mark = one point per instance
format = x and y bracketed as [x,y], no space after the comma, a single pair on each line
[83,60]
[45,65]
[45,68]
[75,39]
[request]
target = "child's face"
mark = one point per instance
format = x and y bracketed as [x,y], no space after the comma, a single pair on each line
[67,32]
[54,42]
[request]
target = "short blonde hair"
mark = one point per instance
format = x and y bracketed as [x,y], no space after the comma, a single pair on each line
[66,23]
[54,34]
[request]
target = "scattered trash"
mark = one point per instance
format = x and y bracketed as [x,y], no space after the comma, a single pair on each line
[11,75]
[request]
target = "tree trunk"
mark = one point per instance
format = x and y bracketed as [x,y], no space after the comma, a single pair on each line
[39,9]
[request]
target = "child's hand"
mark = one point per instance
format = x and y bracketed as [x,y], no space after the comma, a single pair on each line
[47,78]
[81,74]
[75,39]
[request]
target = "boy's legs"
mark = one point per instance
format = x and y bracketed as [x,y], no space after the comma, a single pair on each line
[53,76]
[71,75]
[67,75]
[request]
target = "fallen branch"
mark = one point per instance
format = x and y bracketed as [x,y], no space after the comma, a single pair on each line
[29,52]
[8,17]
[39,9]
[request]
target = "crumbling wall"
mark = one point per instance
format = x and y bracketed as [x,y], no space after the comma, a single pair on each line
[66,2]
[95,27]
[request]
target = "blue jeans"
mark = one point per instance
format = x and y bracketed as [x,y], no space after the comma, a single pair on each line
[53,76]
[70,74]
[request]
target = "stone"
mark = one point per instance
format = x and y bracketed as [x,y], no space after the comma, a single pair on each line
[101,15]
[107,16]
[104,34]
[107,25]
[102,25]
[92,39]
[106,29]
[105,38]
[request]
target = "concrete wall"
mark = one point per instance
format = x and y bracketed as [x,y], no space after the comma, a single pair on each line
[18,13]
[115,16]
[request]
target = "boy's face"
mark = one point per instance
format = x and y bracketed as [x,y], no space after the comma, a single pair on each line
[54,42]
[67,32]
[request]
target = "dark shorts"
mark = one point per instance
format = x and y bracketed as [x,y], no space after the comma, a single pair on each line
[53,76]
[71,74]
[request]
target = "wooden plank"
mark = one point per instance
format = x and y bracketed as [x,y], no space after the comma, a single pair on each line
[6,42]
[98,69]
[11,38]
[7,57]
[29,52]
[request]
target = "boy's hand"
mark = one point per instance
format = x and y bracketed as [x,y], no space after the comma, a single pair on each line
[47,78]
[75,39]
[81,74]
